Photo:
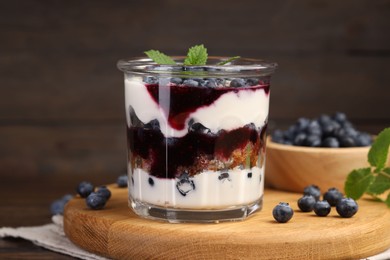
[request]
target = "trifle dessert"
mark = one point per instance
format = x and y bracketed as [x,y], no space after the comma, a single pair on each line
[196,138]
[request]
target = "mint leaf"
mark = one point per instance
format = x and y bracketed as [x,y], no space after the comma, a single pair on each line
[228,60]
[197,55]
[387,201]
[160,58]
[377,156]
[380,184]
[357,182]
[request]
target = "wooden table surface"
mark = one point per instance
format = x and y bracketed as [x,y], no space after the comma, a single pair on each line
[26,203]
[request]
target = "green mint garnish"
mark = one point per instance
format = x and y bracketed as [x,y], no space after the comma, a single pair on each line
[377,156]
[196,56]
[160,58]
[374,180]
[228,60]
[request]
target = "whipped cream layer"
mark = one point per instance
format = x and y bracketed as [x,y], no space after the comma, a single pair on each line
[209,190]
[230,111]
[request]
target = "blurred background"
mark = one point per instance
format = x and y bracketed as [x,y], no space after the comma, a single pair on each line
[62,117]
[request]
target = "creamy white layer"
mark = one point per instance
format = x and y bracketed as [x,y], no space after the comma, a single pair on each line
[228,112]
[210,192]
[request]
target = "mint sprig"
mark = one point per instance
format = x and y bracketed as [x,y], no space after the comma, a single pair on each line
[373,180]
[159,57]
[196,56]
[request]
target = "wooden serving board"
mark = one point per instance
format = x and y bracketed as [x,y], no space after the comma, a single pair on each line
[116,232]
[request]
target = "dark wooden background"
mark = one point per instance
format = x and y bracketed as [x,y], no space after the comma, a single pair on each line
[62,104]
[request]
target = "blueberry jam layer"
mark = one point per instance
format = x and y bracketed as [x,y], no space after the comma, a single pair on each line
[197,151]
[178,101]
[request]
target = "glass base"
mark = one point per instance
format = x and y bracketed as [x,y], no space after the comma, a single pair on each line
[172,215]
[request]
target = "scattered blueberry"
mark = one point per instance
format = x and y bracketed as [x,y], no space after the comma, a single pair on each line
[347,207]
[282,212]
[306,203]
[96,201]
[122,181]
[57,207]
[312,190]
[151,181]
[236,83]
[322,208]
[84,189]
[333,195]
[104,192]
[184,185]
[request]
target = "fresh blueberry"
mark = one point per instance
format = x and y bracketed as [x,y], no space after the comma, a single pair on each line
[96,201]
[313,190]
[347,207]
[329,129]
[324,119]
[333,195]
[237,83]
[210,83]
[340,117]
[330,142]
[176,81]
[153,124]
[290,133]
[277,136]
[282,212]
[312,141]
[122,181]
[314,128]
[151,181]
[184,184]
[223,176]
[363,139]
[306,203]
[300,139]
[190,83]
[346,141]
[322,208]
[57,207]
[150,80]
[302,123]
[252,82]
[104,192]
[84,189]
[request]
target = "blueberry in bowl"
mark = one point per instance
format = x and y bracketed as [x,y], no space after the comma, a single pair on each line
[322,150]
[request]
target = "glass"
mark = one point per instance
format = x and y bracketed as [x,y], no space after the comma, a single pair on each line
[196,138]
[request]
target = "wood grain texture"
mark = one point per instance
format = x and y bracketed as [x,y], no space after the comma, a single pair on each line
[118,233]
[292,168]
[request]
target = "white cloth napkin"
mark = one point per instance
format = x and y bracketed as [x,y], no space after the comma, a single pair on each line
[52,237]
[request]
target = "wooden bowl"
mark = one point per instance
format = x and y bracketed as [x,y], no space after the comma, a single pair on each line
[292,168]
